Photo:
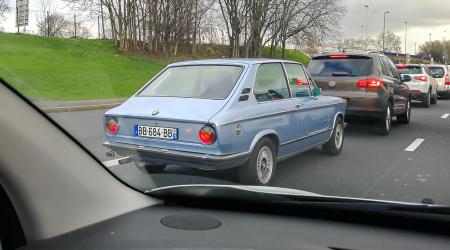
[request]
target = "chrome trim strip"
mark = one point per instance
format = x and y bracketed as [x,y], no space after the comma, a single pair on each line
[276,113]
[176,153]
[300,151]
[320,131]
[258,116]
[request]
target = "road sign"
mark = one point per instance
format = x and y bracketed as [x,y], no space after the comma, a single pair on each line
[22,12]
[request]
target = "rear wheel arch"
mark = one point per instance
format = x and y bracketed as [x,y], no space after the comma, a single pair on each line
[272,135]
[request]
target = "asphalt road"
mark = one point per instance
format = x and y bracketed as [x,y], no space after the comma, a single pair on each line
[370,166]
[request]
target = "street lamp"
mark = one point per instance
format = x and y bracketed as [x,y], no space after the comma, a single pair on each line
[366,6]
[406,32]
[430,37]
[384,29]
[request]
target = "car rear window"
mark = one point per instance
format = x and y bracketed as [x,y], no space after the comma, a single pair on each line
[438,71]
[341,67]
[410,69]
[194,81]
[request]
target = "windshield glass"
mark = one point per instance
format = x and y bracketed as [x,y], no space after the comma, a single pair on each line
[439,72]
[411,70]
[297,94]
[200,81]
[341,67]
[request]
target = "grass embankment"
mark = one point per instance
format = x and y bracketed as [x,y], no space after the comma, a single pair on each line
[71,69]
[82,69]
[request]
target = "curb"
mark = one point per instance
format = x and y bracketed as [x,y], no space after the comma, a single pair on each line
[80,108]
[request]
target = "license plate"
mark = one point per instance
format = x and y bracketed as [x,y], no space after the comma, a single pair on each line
[156,132]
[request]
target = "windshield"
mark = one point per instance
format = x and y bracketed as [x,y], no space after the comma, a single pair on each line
[201,81]
[439,72]
[303,95]
[341,67]
[411,70]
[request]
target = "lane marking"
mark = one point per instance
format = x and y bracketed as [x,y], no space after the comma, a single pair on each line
[116,162]
[414,145]
[445,116]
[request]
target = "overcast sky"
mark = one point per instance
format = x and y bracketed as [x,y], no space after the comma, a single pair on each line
[423,17]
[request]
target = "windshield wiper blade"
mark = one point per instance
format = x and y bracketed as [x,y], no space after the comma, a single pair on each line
[274,195]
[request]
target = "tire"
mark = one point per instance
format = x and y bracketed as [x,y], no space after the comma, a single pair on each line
[427,101]
[335,144]
[405,117]
[384,125]
[260,168]
[434,99]
[149,168]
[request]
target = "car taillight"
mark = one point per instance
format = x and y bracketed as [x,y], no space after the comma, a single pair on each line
[447,82]
[371,83]
[207,135]
[421,78]
[112,125]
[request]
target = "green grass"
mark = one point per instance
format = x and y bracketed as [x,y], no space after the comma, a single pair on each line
[81,69]
[71,69]
[293,55]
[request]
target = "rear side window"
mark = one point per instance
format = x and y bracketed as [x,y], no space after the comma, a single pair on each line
[270,83]
[297,80]
[341,67]
[382,68]
[439,72]
[411,69]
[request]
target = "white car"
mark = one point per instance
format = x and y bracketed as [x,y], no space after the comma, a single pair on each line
[440,72]
[423,86]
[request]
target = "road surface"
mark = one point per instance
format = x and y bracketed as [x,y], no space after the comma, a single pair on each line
[410,164]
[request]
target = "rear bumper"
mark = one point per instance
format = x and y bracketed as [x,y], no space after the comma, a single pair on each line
[168,156]
[364,113]
[418,96]
[443,92]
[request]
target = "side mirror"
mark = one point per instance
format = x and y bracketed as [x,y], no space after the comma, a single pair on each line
[406,78]
[316,91]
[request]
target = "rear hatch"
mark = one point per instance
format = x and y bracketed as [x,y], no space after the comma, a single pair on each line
[440,75]
[185,115]
[417,74]
[338,75]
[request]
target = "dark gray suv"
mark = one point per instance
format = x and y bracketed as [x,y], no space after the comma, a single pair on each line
[369,82]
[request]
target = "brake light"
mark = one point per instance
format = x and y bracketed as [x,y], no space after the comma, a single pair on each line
[447,82]
[371,83]
[207,135]
[338,56]
[112,125]
[401,66]
[421,78]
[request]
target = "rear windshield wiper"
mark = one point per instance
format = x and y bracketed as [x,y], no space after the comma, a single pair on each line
[341,73]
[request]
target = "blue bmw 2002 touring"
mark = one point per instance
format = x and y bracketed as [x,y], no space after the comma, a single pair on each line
[246,114]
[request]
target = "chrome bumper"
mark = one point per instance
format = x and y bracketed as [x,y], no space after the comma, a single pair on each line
[204,161]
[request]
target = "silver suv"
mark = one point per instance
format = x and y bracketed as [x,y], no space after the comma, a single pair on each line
[423,86]
[440,73]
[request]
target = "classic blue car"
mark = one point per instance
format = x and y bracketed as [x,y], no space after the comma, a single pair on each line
[219,114]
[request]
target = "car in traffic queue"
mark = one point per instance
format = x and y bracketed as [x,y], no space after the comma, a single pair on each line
[440,73]
[246,114]
[369,82]
[423,85]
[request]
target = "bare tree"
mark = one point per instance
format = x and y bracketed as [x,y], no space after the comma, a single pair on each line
[3,9]
[393,43]
[53,24]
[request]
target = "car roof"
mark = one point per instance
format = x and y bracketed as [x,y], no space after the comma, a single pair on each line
[231,61]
